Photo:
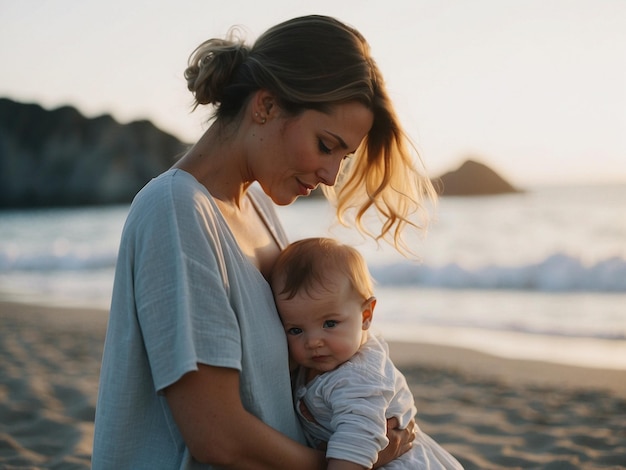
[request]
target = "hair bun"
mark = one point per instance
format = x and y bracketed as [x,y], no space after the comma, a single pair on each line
[211,68]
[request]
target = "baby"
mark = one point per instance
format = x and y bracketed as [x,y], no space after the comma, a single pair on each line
[345,385]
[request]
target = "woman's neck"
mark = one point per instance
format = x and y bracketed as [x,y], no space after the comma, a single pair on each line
[218,164]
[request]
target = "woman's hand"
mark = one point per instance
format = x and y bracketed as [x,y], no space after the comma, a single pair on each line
[400,441]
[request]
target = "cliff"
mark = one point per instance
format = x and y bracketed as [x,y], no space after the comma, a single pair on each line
[61,158]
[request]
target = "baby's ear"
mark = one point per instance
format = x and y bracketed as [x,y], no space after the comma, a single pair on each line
[367,312]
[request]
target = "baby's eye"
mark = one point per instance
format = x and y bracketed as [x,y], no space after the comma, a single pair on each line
[330,323]
[294,331]
[323,147]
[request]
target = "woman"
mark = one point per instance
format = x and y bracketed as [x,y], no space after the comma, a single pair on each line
[195,366]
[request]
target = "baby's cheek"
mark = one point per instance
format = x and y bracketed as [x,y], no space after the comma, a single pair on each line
[294,350]
[347,349]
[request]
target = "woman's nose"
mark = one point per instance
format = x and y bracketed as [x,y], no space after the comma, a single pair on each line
[329,171]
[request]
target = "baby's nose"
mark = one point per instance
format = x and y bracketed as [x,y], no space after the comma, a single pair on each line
[314,341]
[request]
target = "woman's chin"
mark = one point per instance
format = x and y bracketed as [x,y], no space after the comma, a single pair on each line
[284,200]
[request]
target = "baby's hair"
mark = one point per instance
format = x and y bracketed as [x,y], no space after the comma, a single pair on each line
[305,264]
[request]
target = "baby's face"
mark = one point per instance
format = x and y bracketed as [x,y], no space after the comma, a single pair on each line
[327,328]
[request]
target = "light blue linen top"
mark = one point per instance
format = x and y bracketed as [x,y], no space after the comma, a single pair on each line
[184,293]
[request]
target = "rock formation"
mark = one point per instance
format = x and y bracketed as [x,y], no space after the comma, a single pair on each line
[472,179]
[61,158]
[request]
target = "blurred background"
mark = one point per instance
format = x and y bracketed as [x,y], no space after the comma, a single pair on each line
[536,87]
[95,103]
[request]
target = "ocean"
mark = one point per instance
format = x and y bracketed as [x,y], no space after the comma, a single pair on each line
[535,275]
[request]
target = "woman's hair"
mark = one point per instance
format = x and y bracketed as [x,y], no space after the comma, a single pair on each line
[306,264]
[317,62]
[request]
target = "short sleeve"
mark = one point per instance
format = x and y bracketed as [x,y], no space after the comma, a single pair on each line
[181,292]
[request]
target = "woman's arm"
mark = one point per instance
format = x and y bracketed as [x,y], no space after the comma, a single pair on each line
[334,464]
[217,429]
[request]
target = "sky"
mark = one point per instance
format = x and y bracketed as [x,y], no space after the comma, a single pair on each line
[535,89]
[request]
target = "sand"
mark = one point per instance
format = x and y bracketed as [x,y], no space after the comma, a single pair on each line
[489,412]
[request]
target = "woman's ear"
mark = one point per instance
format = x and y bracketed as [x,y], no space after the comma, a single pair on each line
[262,105]
[367,312]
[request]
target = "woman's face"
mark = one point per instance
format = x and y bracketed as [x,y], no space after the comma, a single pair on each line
[292,156]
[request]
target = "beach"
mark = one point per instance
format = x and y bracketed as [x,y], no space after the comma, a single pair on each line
[489,412]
